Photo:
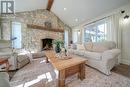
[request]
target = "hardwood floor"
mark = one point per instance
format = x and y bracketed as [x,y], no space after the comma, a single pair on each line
[122,69]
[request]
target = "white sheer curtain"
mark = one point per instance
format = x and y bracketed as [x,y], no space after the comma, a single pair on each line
[114,29]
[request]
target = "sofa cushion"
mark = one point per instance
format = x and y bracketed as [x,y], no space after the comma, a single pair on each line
[22,60]
[93,55]
[103,46]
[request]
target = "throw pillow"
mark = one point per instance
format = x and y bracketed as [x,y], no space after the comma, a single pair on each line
[97,47]
[73,46]
[80,47]
[88,46]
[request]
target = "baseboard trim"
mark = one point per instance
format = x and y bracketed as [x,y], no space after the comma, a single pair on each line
[125,61]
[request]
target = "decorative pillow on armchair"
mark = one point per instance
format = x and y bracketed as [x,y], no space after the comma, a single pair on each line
[80,47]
[73,46]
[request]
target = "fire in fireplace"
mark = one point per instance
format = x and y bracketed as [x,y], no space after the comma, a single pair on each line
[47,44]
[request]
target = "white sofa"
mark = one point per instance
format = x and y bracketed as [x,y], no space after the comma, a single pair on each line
[102,56]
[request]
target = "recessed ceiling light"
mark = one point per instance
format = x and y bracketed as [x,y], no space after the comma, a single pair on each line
[76,20]
[65,9]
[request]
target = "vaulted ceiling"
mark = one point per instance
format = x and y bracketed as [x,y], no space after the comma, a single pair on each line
[72,12]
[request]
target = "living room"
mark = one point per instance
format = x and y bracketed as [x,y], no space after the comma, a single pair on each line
[64,43]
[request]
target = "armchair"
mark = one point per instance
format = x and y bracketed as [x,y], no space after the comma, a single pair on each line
[7,52]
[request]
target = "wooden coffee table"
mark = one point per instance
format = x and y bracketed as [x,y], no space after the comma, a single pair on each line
[66,67]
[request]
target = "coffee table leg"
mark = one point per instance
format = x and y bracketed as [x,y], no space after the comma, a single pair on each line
[61,79]
[82,71]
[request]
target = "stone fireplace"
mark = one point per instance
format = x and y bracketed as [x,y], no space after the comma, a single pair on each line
[32,39]
[47,44]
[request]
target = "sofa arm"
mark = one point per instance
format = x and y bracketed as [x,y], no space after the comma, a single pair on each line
[110,54]
[4,79]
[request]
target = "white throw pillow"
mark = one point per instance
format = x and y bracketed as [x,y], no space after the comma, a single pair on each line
[88,46]
[98,47]
[80,47]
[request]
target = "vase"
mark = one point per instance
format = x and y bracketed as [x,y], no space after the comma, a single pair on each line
[57,49]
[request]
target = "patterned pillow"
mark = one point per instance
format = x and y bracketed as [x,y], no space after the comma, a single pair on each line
[88,46]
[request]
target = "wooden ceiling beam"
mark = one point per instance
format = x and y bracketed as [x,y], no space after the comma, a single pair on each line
[49,5]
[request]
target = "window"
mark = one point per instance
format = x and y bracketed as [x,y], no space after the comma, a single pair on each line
[16,34]
[96,32]
[66,38]
[76,36]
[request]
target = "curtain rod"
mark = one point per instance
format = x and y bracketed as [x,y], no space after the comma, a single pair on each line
[97,20]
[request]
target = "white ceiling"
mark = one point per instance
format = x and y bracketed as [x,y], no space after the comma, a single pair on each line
[27,5]
[83,10]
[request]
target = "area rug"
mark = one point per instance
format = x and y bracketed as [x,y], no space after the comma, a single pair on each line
[40,74]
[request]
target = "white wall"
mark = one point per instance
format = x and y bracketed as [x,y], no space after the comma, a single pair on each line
[125,59]
[126,42]
[76,35]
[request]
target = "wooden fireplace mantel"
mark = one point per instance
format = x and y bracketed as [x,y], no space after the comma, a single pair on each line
[32,26]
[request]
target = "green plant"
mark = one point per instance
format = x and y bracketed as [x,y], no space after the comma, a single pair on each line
[58,43]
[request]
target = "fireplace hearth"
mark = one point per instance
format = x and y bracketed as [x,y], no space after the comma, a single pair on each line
[47,44]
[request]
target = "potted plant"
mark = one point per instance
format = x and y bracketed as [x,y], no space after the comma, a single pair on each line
[58,44]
